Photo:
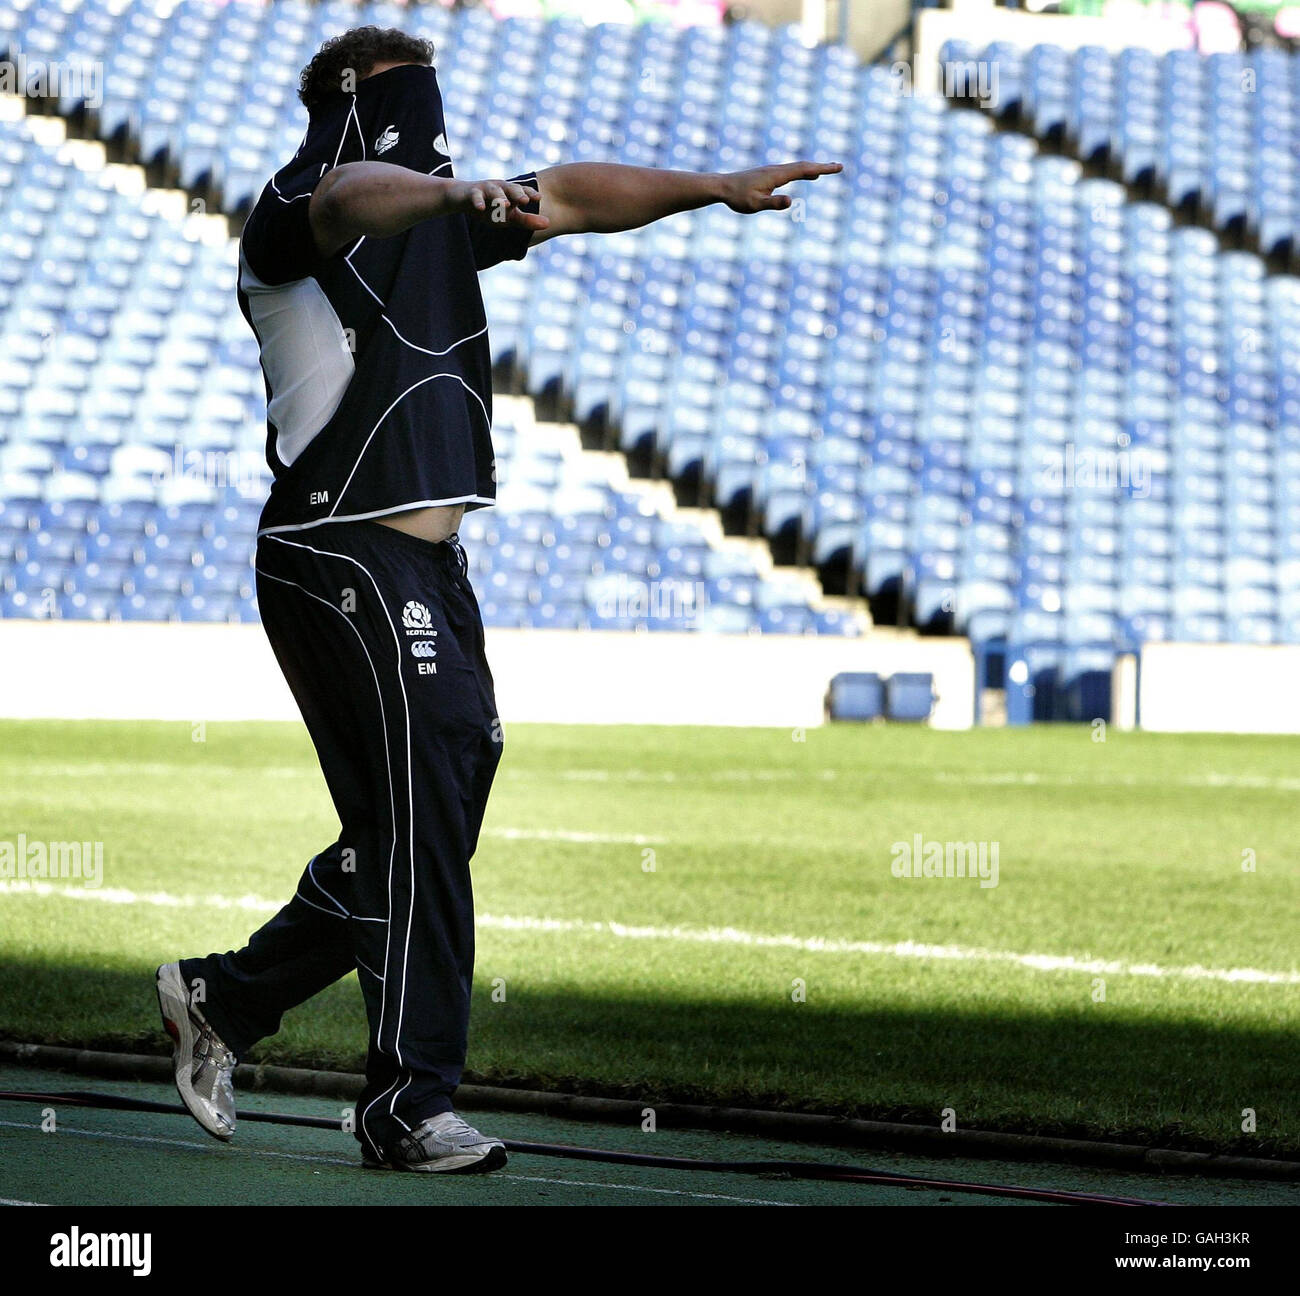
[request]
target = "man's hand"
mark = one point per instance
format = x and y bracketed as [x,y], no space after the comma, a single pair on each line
[751,191]
[604,197]
[499,201]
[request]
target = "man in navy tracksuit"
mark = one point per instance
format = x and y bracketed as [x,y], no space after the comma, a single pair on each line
[358,274]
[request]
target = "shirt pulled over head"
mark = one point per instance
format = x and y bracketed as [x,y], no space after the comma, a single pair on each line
[376,359]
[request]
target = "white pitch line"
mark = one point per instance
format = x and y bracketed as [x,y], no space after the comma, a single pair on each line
[1012,778]
[13,1201]
[1029,778]
[158,769]
[717,936]
[584,838]
[672,776]
[208,1149]
[674,1192]
[181,1143]
[896,949]
[121,896]
[1003,778]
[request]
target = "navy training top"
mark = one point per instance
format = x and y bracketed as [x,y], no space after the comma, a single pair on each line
[378,374]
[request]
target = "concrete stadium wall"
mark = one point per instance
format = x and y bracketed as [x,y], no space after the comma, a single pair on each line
[1219,688]
[132,670]
[982,22]
[870,25]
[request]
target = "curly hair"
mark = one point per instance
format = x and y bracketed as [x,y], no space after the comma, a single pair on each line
[344,60]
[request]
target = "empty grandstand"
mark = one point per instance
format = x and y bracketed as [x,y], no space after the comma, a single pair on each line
[974,386]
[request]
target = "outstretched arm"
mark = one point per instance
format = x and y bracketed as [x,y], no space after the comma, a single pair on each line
[379,200]
[604,197]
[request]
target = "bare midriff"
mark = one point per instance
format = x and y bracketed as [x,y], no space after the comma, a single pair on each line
[432,524]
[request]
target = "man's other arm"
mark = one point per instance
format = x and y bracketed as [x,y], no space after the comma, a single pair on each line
[378,200]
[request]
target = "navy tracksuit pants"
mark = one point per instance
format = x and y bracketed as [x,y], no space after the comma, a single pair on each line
[379,636]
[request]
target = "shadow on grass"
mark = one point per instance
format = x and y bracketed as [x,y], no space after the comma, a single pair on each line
[1101,1072]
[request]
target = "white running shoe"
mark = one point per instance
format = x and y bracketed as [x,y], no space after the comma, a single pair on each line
[203,1064]
[443,1144]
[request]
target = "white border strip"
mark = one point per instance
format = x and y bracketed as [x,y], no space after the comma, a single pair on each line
[721,936]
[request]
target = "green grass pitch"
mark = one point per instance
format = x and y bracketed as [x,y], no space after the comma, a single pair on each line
[705,914]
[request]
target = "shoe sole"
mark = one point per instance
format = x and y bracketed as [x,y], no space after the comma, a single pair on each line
[494,1159]
[173,1007]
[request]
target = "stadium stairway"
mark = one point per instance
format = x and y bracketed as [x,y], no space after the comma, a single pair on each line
[735,574]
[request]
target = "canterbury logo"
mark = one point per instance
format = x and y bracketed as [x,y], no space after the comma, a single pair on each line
[387,139]
[424,648]
[415,616]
